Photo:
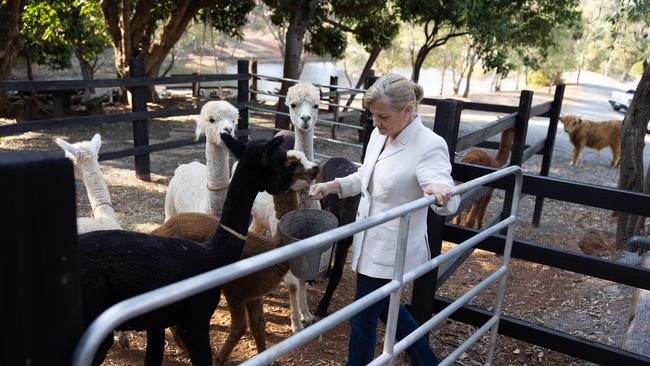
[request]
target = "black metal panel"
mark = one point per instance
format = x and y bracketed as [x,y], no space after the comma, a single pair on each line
[42,85]
[545,337]
[564,190]
[559,258]
[40,288]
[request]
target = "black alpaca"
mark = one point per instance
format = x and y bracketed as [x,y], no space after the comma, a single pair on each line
[345,210]
[117,265]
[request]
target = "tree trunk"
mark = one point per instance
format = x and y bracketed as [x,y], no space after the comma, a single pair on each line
[10,43]
[87,71]
[632,144]
[374,54]
[423,52]
[300,19]
[472,62]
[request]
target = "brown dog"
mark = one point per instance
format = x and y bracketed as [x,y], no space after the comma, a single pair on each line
[593,134]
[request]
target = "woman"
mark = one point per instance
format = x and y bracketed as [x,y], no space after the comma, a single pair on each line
[404,161]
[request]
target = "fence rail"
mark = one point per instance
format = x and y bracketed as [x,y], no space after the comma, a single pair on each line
[144,303]
[52,85]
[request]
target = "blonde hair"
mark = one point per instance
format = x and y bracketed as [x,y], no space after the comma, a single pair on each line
[399,90]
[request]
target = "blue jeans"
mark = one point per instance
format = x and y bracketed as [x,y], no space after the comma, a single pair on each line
[363,329]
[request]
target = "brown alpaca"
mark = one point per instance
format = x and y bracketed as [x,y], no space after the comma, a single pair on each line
[244,295]
[476,212]
[596,135]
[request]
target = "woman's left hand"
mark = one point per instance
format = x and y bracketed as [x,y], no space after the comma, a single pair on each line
[442,192]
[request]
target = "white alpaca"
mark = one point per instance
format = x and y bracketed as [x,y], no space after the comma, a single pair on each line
[86,167]
[302,100]
[202,188]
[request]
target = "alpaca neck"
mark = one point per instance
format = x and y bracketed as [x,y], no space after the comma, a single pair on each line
[98,195]
[284,203]
[235,215]
[218,165]
[505,146]
[305,142]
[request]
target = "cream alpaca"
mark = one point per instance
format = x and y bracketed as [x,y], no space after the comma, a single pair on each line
[86,167]
[302,100]
[196,187]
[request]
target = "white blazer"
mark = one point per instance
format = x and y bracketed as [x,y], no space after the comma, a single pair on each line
[416,158]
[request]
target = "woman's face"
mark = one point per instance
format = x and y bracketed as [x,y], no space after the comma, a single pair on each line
[387,120]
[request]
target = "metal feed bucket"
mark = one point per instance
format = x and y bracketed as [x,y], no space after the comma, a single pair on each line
[304,223]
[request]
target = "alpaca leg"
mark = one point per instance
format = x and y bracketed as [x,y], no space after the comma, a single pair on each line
[616,156]
[307,316]
[195,334]
[292,288]
[256,322]
[470,219]
[123,339]
[340,254]
[485,201]
[236,331]
[577,151]
[155,347]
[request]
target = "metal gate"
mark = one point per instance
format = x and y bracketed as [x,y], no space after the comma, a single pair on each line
[141,304]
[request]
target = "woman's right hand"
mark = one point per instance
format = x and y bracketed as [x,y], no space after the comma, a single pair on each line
[320,190]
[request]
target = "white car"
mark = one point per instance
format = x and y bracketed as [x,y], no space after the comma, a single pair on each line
[621,100]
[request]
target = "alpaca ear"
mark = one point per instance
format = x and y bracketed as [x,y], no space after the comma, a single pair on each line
[71,151]
[96,143]
[235,146]
[200,129]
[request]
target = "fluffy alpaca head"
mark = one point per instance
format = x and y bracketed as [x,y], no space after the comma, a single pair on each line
[570,122]
[302,100]
[217,117]
[81,153]
[306,171]
[268,166]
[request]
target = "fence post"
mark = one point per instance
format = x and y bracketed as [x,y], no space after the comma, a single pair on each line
[366,119]
[39,260]
[196,91]
[447,122]
[334,99]
[554,117]
[253,96]
[243,94]
[519,143]
[141,126]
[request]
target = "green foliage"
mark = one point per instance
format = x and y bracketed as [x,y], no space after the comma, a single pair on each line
[326,40]
[636,70]
[43,31]
[53,29]
[228,17]
[500,30]
[372,22]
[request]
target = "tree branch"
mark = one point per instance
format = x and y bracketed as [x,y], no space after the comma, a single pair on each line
[140,20]
[339,25]
[112,17]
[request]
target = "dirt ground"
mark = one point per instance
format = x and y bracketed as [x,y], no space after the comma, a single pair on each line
[584,306]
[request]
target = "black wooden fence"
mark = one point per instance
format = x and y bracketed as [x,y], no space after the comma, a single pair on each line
[447,120]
